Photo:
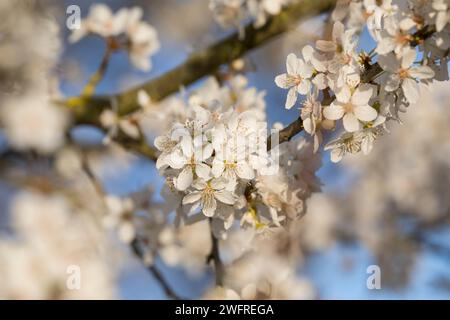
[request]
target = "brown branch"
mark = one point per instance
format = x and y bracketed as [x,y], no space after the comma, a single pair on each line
[199,64]
[214,256]
[155,272]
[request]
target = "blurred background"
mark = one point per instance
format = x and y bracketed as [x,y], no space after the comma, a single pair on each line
[391,208]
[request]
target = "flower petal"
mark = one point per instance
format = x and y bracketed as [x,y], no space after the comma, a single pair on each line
[351,123]
[244,171]
[304,87]
[291,98]
[217,168]
[410,90]
[283,81]
[408,58]
[184,179]
[326,46]
[365,113]
[333,112]
[202,170]
[192,197]
[224,196]
[292,64]
[422,72]
[209,206]
[362,95]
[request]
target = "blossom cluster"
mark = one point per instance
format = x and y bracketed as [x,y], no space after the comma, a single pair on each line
[51,236]
[234,13]
[344,86]
[123,30]
[216,164]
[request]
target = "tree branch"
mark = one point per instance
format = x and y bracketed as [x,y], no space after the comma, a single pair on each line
[214,256]
[155,272]
[199,64]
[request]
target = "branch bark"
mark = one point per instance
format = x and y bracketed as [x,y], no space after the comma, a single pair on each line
[155,272]
[214,256]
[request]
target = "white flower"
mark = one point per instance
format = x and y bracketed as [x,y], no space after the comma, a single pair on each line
[207,195]
[342,51]
[313,122]
[352,107]
[190,159]
[101,21]
[120,216]
[297,78]
[229,165]
[111,121]
[228,13]
[339,147]
[441,13]
[33,122]
[394,36]
[377,10]
[143,38]
[261,9]
[402,73]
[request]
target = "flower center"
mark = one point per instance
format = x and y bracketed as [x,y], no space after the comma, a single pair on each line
[403,73]
[348,107]
[402,38]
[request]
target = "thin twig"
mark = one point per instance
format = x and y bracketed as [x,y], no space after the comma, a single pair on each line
[155,272]
[214,256]
[95,79]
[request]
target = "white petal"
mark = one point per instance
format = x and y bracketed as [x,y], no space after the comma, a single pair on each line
[129,128]
[304,86]
[351,123]
[218,184]
[407,24]
[244,170]
[224,196]
[337,154]
[362,95]
[307,52]
[326,46]
[184,179]
[365,113]
[282,81]
[320,80]
[385,46]
[291,98]
[333,112]
[192,197]
[422,72]
[217,168]
[160,141]
[344,94]
[202,170]
[305,69]
[409,56]
[410,90]
[292,64]
[209,206]
[338,31]
[389,62]
[143,98]
[186,146]
[176,159]
[392,83]
[208,150]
